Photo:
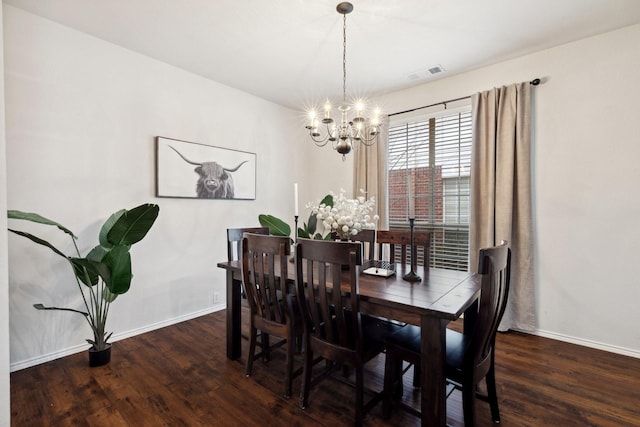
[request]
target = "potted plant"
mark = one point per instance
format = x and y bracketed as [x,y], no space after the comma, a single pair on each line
[336,216]
[277,227]
[104,273]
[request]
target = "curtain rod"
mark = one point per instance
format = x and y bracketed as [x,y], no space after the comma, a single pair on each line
[534,82]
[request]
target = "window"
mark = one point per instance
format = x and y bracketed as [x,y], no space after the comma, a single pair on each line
[433,153]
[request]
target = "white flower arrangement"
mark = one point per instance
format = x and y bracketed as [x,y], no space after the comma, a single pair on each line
[346,217]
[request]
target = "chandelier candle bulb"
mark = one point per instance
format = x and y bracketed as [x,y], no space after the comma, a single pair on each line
[359,108]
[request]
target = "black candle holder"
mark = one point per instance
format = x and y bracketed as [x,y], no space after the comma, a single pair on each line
[295,240]
[412,276]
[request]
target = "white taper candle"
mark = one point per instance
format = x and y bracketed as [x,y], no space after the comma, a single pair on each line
[412,203]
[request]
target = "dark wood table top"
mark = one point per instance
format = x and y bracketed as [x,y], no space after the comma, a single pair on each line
[441,293]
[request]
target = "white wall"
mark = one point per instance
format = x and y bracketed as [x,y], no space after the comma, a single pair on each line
[325,171]
[82,115]
[585,181]
[4,284]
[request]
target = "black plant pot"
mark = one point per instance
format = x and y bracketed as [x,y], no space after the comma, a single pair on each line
[99,357]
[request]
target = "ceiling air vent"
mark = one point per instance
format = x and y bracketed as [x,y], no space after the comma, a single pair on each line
[425,73]
[436,70]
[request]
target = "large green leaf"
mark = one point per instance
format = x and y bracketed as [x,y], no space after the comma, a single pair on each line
[89,269]
[277,227]
[85,271]
[38,241]
[312,225]
[106,227]
[118,260]
[132,225]
[97,253]
[108,296]
[327,201]
[34,217]
[96,256]
[302,232]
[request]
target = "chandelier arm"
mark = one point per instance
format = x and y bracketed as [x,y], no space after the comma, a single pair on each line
[369,141]
[320,142]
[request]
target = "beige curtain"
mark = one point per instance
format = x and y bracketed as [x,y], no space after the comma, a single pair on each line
[370,173]
[501,191]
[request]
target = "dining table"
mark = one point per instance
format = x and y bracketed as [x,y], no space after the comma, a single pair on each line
[440,297]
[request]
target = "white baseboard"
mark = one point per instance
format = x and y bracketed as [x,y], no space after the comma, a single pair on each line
[587,343]
[116,337]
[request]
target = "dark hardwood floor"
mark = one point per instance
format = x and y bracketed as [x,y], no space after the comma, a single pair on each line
[179,376]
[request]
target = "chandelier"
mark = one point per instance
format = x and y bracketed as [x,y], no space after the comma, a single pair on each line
[344,135]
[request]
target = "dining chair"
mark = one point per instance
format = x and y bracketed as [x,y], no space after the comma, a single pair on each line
[234,253]
[334,328]
[265,260]
[470,356]
[367,238]
[400,241]
[234,238]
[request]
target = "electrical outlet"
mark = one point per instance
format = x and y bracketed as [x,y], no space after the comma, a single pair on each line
[216,297]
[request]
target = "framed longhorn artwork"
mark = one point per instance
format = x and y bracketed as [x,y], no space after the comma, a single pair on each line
[198,171]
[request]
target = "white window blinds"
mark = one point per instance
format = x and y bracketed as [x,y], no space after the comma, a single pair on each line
[434,154]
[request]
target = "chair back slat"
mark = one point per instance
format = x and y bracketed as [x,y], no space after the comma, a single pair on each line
[331,319]
[234,240]
[266,293]
[402,238]
[341,326]
[312,298]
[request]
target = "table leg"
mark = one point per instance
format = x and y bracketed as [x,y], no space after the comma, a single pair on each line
[434,398]
[234,333]
[470,316]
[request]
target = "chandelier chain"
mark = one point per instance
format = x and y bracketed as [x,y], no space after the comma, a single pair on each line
[344,59]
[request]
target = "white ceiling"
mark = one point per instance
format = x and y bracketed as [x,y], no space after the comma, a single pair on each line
[290,52]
